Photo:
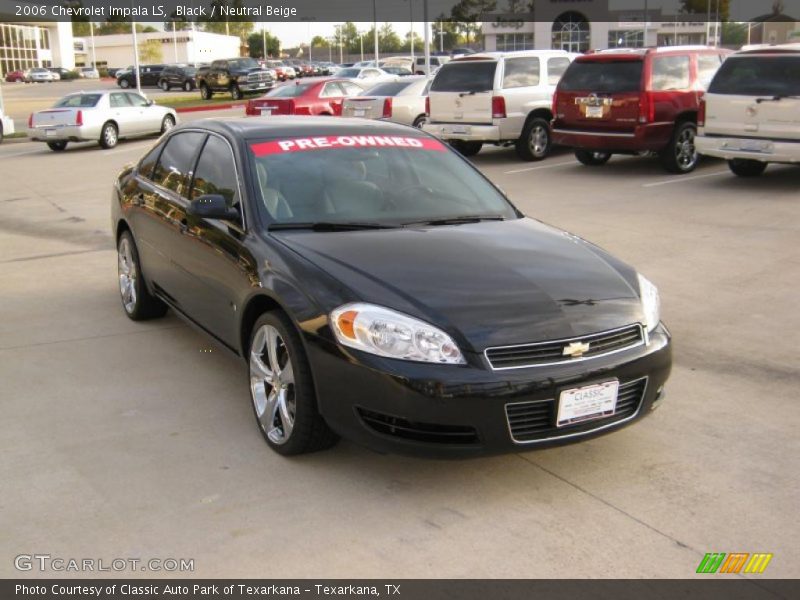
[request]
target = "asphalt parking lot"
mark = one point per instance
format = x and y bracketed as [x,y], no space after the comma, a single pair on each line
[122,439]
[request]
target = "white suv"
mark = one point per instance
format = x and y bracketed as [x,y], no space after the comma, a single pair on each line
[501,98]
[750,115]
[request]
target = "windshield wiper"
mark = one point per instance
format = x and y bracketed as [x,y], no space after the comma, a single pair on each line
[777,98]
[329,226]
[458,220]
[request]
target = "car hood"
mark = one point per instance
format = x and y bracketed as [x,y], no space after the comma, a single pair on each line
[487,284]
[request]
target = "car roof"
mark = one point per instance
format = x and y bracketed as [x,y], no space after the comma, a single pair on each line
[793,48]
[498,55]
[634,53]
[293,126]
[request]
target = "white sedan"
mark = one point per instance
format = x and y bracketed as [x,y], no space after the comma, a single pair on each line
[364,75]
[102,116]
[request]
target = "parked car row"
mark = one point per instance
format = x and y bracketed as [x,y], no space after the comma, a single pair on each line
[48,74]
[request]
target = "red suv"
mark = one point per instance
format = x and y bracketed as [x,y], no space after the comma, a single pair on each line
[626,101]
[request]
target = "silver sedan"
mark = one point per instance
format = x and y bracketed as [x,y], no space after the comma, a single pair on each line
[101,116]
[400,101]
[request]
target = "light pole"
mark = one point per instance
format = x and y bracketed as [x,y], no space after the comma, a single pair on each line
[441,36]
[174,40]
[264,41]
[94,56]
[411,19]
[427,37]
[361,39]
[136,58]
[646,19]
[375,24]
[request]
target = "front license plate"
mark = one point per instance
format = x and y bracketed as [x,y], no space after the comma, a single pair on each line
[50,132]
[359,112]
[594,112]
[587,403]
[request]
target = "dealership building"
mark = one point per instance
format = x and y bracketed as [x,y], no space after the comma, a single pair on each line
[27,45]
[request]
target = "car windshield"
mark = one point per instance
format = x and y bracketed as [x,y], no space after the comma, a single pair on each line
[465,77]
[243,63]
[385,180]
[606,77]
[288,91]
[758,76]
[348,72]
[78,101]
[393,88]
[191,71]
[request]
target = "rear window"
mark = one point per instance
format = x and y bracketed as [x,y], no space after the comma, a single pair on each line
[603,76]
[289,91]
[79,101]
[388,89]
[465,77]
[348,72]
[758,76]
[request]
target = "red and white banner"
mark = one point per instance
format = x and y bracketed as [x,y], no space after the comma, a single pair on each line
[332,142]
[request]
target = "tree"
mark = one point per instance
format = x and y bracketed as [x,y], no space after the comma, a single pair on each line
[451,37]
[700,7]
[228,25]
[256,42]
[734,34]
[468,13]
[150,52]
[419,44]
[80,24]
[319,42]
[347,34]
[388,40]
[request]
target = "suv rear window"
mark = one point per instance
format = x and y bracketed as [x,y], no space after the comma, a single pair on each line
[465,77]
[606,77]
[758,76]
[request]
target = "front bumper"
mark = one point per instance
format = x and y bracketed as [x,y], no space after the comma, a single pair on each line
[731,148]
[651,137]
[253,87]
[64,134]
[465,132]
[452,411]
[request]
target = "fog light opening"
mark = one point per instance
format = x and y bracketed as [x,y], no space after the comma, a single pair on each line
[660,393]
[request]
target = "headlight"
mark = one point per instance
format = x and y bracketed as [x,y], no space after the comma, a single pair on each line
[242,79]
[651,303]
[384,332]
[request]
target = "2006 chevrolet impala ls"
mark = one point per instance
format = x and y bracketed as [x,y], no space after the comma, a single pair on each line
[380,288]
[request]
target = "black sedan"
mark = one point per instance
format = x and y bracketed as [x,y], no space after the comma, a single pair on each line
[381,289]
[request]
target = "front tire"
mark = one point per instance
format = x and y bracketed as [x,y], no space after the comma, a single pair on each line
[187,86]
[282,389]
[466,148]
[109,136]
[747,168]
[57,146]
[164,85]
[420,121]
[205,92]
[167,124]
[124,83]
[680,156]
[236,92]
[535,142]
[591,158]
[137,302]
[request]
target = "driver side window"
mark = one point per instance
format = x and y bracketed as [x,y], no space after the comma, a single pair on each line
[216,173]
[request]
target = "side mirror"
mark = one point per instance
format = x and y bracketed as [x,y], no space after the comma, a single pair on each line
[212,206]
[150,102]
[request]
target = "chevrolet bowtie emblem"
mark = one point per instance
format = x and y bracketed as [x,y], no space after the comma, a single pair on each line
[576,349]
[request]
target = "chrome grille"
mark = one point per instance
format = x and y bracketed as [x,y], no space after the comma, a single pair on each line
[258,77]
[552,352]
[535,421]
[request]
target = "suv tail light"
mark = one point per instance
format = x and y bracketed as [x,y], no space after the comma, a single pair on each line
[387,108]
[647,108]
[427,106]
[30,121]
[79,118]
[498,107]
[555,105]
[701,112]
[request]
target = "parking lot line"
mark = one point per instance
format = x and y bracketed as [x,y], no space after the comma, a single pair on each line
[571,162]
[682,179]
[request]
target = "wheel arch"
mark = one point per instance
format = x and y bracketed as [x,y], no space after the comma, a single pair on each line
[686,116]
[256,306]
[540,113]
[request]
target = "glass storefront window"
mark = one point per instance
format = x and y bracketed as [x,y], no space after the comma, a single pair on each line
[509,42]
[19,46]
[626,38]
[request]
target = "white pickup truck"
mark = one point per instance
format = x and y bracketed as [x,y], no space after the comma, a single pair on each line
[750,115]
[501,98]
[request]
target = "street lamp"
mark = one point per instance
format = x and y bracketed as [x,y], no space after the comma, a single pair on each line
[375,25]
[361,39]
[411,19]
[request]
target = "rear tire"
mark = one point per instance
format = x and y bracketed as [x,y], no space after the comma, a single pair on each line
[164,85]
[420,121]
[592,158]
[205,92]
[167,124]
[680,156]
[747,168]
[282,389]
[535,142]
[57,146]
[109,136]
[466,148]
[236,93]
[187,86]
[124,83]
[137,302]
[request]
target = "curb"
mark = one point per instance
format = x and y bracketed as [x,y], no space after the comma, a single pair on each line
[15,140]
[227,106]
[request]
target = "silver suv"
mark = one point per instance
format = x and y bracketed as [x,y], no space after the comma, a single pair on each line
[751,113]
[501,98]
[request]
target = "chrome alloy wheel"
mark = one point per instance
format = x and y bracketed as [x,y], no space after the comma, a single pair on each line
[272,384]
[127,275]
[685,151]
[110,136]
[538,140]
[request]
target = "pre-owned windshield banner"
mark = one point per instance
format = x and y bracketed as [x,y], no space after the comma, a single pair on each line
[338,142]
[505,14]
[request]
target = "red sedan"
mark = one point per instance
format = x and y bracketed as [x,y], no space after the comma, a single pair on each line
[318,97]
[13,76]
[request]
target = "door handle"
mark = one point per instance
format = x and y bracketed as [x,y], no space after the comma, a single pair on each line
[138,200]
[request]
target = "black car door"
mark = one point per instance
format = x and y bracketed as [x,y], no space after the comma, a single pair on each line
[213,252]
[158,216]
